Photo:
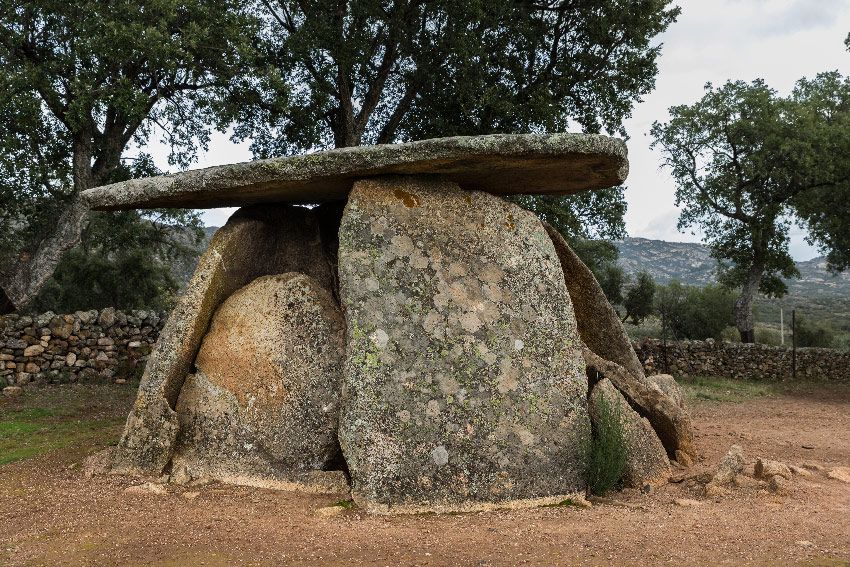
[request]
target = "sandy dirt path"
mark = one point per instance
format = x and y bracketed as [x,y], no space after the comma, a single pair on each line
[51,514]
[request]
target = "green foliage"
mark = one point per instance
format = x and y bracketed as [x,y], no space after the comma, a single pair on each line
[588,216]
[611,279]
[813,334]
[81,83]
[640,298]
[748,163]
[696,313]
[606,450]
[124,260]
[767,336]
[78,416]
[362,72]
[724,389]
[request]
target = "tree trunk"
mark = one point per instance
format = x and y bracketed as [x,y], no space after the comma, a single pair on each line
[31,272]
[744,305]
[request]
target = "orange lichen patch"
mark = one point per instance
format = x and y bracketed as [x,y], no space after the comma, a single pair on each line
[409,199]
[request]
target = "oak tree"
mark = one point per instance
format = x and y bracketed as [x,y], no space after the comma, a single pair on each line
[351,72]
[748,163]
[82,81]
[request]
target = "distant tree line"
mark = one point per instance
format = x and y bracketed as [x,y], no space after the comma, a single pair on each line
[692,312]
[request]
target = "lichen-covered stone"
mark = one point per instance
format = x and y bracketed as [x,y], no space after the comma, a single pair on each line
[766,468]
[263,404]
[668,386]
[464,380]
[256,241]
[646,459]
[730,466]
[671,422]
[599,326]
[502,163]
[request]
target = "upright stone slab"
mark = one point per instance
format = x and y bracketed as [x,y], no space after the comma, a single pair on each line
[464,382]
[256,241]
[263,405]
[670,421]
[599,326]
[609,352]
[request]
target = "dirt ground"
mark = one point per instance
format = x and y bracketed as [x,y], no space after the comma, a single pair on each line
[50,514]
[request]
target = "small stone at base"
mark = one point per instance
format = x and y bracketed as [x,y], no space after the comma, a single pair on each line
[146,488]
[330,511]
[840,473]
[12,391]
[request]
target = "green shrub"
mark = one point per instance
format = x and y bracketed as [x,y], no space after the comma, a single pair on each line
[694,313]
[814,334]
[606,450]
[767,336]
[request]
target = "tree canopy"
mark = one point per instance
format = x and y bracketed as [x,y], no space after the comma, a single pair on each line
[639,301]
[81,81]
[345,73]
[354,72]
[748,163]
[690,312]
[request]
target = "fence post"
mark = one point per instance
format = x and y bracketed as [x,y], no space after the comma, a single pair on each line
[793,344]
[664,340]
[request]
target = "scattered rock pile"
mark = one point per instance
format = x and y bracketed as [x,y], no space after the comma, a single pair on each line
[83,346]
[735,471]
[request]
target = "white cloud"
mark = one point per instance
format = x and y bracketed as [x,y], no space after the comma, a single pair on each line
[717,41]
[802,15]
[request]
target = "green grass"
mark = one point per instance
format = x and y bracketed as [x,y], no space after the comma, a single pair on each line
[567,503]
[606,453]
[725,390]
[71,417]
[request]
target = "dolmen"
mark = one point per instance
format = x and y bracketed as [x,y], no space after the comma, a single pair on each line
[381,317]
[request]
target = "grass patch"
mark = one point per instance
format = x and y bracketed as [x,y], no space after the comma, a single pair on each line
[566,503]
[347,504]
[606,450]
[80,416]
[724,389]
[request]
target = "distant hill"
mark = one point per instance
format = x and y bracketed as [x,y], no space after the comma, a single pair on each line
[817,294]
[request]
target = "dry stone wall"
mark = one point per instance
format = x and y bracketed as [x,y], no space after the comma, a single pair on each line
[741,361]
[86,346]
[110,345]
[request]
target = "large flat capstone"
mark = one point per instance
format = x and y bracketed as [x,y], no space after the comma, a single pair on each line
[464,381]
[556,164]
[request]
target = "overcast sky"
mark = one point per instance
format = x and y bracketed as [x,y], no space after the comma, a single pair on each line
[714,40]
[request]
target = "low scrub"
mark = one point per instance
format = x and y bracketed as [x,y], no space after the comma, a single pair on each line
[606,448]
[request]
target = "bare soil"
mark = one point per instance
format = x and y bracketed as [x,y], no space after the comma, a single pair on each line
[51,514]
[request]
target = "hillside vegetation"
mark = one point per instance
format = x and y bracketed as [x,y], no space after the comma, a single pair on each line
[818,295]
